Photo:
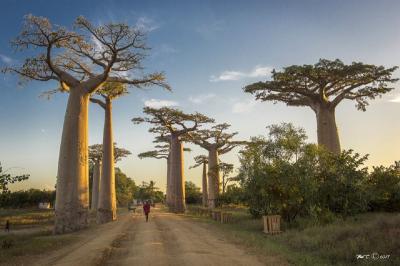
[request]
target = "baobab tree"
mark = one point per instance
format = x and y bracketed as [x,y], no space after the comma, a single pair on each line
[175,125]
[107,208]
[217,142]
[203,161]
[162,152]
[322,87]
[108,195]
[95,156]
[80,61]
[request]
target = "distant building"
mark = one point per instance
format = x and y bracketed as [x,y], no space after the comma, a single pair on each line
[44,205]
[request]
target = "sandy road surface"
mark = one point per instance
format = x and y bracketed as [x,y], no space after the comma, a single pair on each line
[170,239]
[167,239]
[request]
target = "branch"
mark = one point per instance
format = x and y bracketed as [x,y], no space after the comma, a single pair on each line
[99,102]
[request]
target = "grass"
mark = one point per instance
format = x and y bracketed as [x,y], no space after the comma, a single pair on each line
[20,218]
[26,245]
[333,244]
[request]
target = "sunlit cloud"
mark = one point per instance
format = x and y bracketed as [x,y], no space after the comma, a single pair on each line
[5,59]
[156,103]
[243,106]
[258,71]
[199,99]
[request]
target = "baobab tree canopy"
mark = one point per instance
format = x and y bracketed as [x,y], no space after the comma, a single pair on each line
[88,56]
[327,82]
[216,137]
[322,87]
[171,121]
[96,152]
[199,160]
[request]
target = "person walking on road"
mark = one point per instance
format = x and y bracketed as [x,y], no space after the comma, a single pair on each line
[146,210]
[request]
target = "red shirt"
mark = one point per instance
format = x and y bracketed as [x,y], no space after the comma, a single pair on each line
[146,208]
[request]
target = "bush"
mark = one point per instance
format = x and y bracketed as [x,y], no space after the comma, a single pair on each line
[282,174]
[192,193]
[383,188]
[26,198]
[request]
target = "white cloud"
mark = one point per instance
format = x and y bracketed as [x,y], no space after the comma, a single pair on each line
[97,44]
[5,59]
[155,103]
[199,99]
[146,24]
[258,71]
[243,106]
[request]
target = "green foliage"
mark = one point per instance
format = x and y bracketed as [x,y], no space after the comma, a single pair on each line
[125,188]
[6,179]
[327,82]
[148,191]
[192,193]
[384,188]
[282,174]
[234,194]
[26,198]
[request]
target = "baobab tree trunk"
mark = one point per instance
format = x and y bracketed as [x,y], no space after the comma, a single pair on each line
[96,185]
[204,188]
[107,207]
[72,200]
[168,193]
[213,178]
[327,131]
[177,176]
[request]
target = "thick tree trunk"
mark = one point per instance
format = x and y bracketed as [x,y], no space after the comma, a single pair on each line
[327,131]
[204,188]
[96,185]
[107,207]
[72,201]
[213,178]
[168,193]
[177,176]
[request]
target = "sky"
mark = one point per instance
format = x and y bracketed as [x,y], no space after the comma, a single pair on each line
[209,50]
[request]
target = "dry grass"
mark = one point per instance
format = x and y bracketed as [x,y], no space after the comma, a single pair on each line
[21,218]
[334,244]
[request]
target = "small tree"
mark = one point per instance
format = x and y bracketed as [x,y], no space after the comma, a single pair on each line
[226,169]
[174,125]
[322,87]
[6,179]
[216,141]
[80,61]
[202,160]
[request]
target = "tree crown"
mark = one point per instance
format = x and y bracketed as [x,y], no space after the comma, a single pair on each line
[216,137]
[171,121]
[84,57]
[96,153]
[326,82]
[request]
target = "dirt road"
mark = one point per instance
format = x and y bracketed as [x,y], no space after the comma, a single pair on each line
[167,239]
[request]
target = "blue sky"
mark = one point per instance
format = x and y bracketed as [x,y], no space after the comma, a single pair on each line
[209,50]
